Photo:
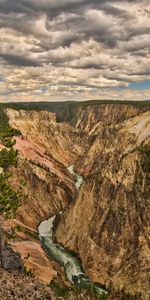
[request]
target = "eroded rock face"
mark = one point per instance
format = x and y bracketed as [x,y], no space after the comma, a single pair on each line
[60,140]
[43,191]
[91,118]
[45,149]
[44,187]
[108,224]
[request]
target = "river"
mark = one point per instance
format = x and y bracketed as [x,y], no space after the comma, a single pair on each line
[72,265]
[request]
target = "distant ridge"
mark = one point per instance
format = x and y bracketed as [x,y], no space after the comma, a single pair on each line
[68,108]
[54,106]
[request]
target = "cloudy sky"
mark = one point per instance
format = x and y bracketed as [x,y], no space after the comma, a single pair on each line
[74,49]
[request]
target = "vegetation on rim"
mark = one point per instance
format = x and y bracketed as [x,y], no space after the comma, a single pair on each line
[8,157]
[9,199]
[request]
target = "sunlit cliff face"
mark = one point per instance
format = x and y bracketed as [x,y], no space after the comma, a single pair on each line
[79,49]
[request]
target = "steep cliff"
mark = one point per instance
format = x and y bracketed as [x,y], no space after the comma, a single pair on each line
[61,141]
[90,118]
[106,222]
[43,191]
[43,187]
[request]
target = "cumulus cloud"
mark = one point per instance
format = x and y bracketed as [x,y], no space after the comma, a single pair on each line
[73,49]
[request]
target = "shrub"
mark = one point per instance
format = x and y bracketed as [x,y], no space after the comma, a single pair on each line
[9,200]
[7,142]
[8,157]
[28,272]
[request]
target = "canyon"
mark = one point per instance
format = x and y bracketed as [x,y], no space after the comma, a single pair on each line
[105,222]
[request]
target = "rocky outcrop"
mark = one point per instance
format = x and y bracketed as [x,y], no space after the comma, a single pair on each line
[20,287]
[22,252]
[9,259]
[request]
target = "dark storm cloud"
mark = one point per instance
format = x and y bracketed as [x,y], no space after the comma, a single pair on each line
[18,61]
[118,12]
[53,8]
[22,15]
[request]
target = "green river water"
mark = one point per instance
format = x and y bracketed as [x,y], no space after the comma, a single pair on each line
[71,264]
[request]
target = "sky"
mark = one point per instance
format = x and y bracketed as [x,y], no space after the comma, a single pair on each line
[56,50]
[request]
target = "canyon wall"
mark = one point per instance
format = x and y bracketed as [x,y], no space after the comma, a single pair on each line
[108,225]
[106,222]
